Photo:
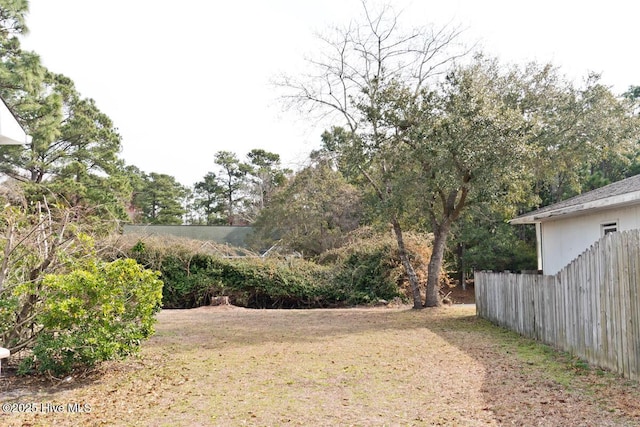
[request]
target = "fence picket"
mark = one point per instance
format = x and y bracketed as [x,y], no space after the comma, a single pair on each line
[590,308]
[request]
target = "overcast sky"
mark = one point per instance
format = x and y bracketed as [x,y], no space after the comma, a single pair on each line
[182,80]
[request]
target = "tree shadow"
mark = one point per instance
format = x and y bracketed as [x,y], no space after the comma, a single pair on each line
[523,382]
[529,383]
[34,388]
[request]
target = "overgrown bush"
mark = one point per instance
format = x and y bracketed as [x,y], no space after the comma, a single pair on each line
[98,312]
[273,283]
[191,281]
[62,308]
[190,269]
[368,266]
[364,271]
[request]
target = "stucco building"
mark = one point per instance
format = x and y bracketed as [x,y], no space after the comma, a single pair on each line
[564,230]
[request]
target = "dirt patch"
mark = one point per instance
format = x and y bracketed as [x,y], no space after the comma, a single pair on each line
[457,295]
[228,366]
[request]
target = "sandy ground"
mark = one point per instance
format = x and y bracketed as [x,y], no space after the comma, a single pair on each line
[228,366]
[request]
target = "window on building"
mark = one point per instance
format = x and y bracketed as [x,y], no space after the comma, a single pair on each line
[609,227]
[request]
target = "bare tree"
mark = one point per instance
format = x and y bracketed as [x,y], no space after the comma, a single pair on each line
[31,241]
[348,85]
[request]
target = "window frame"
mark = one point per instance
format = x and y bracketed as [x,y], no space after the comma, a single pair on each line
[609,227]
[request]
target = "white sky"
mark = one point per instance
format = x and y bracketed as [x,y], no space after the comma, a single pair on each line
[182,80]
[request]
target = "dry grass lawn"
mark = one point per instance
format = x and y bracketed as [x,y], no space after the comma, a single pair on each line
[398,367]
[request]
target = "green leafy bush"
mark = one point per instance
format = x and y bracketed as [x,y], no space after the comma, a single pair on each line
[369,274]
[363,272]
[274,283]
[98,312]
[367,268]
[190,282]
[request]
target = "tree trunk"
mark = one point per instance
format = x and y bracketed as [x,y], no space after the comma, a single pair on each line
[435,264]
[406,263]
[462,267]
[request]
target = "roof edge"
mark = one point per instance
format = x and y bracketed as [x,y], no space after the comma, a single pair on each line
[607,202]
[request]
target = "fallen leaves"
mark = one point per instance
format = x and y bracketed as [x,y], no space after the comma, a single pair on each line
[334,367]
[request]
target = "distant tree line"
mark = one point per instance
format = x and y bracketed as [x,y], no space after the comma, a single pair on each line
[441,140]
[61,305]
[423,136]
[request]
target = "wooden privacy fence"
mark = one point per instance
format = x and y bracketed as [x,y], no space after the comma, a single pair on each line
[591,308]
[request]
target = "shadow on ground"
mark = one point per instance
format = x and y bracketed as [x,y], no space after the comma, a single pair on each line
[429,367]
[527,383]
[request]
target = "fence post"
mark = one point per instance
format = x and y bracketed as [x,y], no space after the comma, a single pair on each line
[590,308]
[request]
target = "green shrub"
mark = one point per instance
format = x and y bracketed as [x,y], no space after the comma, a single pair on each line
[189,282]
[98,312]
[194,273]
[368,267]
[273,283]
[369,274]
[362,272]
